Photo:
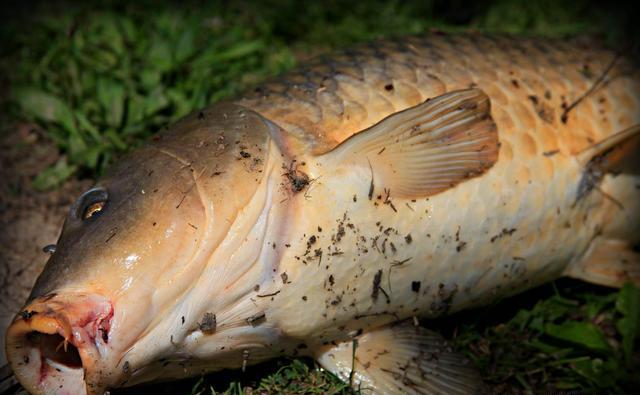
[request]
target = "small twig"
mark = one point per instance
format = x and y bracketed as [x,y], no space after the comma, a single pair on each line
[371,186]
[267,295]
[595,85]
[354,345]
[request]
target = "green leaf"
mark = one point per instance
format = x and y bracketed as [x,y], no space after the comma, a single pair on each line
[595,304]
[150,78]
[582,333]
[87,126]
[77,147]
[44,106]
[241,49]
[155,101]
[135,110]
[113,137]
[110,34]
[521,319]
[159,55]
[599,372]
[54,175]
[91,156]
[628,304]
[111,95]
[185,46]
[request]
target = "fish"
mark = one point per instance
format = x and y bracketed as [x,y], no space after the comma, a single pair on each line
[326,211]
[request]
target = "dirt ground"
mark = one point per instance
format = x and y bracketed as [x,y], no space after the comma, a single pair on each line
[29,219]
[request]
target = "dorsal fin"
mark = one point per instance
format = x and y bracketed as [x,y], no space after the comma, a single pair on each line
[425,149]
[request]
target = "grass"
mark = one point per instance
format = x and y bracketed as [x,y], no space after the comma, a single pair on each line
[101,80]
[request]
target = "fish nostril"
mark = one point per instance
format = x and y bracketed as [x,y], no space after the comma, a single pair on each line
[49,249]
[56,349]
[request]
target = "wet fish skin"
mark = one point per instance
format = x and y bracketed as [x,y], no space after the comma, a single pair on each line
[513,228]
[259,224]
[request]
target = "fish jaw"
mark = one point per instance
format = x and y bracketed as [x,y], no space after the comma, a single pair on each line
[66,336]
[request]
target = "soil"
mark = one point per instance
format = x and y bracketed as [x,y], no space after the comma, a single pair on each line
[29,219]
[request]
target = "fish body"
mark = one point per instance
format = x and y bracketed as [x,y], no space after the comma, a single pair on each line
[406,178]
[516,226]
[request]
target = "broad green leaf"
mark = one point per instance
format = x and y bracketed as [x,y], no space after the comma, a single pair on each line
[109,33]
[54,175]
[115,139]
[77,147]
[582,333]
[595,304]
[546,348]
[159,55]
[185,45]
[155,101]
[129,30]
[91,155]
[599,372]
[44,106]
[135,110]
[111,95]
[521,319]
[87,126]
[179,101]
[103,60]
[150,78]
[628,304]
[241,49]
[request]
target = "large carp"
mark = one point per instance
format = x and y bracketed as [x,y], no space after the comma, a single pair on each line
[321,212]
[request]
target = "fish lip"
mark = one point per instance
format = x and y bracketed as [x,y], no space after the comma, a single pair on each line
[60,344]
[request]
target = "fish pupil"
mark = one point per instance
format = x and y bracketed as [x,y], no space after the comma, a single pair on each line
[93,209]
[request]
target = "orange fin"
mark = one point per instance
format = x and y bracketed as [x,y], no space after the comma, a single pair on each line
[607,262]
[425,149]
[401,359]
[617,153]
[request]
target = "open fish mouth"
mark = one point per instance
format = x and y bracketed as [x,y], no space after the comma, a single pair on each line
[58,344]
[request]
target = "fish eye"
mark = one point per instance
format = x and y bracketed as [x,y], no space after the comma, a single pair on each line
[92,210]
[91,203]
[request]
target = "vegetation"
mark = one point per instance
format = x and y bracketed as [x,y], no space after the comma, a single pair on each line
[99,81]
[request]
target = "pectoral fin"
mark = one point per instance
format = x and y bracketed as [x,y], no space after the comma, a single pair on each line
[402,359]
[427,148]
[607,262]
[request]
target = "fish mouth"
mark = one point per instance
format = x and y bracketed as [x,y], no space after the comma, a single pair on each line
[59,344]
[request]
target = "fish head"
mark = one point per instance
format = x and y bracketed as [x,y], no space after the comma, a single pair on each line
[132,247]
